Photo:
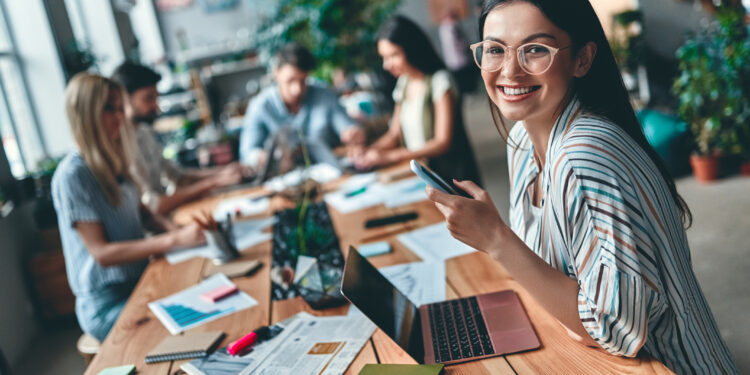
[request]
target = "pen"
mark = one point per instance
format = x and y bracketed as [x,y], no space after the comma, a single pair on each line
[355,192]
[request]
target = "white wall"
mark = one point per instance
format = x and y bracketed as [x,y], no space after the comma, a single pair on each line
[204,30]
[146,29]
[102,34]
[667,21]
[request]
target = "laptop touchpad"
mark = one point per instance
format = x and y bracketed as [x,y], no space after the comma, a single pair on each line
[505,318]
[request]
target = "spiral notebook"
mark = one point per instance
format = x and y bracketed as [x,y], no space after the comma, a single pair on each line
[188,346]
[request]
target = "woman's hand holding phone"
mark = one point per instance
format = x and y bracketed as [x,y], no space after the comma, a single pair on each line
[475,222]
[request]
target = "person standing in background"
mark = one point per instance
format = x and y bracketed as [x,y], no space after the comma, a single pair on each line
[456,53]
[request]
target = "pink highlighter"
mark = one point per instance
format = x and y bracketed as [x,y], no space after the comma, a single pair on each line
[219,293]
[242,343]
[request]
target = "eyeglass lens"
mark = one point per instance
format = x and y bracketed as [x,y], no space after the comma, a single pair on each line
[533,58]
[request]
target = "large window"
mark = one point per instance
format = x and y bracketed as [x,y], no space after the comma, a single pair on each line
[19,128]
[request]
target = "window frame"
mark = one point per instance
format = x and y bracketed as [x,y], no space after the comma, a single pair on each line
[11,54]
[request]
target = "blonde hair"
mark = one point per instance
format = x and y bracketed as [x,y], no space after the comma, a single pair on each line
[109,159]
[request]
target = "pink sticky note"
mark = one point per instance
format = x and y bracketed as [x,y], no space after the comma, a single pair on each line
[219,293]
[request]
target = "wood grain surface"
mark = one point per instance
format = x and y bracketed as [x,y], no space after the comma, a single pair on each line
[137,330]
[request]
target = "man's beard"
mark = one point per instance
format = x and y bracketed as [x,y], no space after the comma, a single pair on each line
[146,119]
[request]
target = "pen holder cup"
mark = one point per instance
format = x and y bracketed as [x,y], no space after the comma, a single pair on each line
[224,249]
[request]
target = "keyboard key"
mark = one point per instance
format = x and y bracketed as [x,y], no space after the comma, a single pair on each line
[458,330]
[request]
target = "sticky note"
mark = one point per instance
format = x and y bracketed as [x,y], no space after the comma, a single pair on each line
[119,370]
[375,248]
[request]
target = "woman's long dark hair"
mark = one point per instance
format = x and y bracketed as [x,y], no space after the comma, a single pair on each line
[601,91]
[419,51]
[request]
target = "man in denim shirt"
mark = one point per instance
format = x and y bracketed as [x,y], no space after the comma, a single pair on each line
[306,106]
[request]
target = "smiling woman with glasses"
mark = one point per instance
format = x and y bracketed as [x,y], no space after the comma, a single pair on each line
[533,58]
[596,232]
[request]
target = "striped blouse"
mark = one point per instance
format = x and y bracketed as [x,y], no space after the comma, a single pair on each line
[608,220]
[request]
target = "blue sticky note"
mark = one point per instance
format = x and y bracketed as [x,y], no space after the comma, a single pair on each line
[375,248]
[120,370]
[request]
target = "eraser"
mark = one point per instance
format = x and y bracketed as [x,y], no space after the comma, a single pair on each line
[219,293]
[375,248]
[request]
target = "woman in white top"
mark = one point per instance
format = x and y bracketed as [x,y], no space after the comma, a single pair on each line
[426,120]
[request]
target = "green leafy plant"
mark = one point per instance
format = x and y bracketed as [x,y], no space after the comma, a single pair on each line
[78,58]
[626,39]
[339,33]
[713,87]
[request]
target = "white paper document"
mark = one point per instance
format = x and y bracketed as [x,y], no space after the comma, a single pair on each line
[320,172]
[420,282]
[240,206]
[314,345]
[221,362]
[434,243]
[358,181]
[247,233]
[372,196]
[405,192]
[392,195]
[184,310]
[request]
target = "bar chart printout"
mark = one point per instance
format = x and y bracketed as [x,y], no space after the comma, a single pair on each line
[184,310]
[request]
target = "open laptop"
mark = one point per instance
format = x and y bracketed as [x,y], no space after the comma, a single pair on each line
[446,332]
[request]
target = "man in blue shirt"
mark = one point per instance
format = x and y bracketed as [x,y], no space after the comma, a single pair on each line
[303,105]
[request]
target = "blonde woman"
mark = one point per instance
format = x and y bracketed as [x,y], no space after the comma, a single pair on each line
[100,218]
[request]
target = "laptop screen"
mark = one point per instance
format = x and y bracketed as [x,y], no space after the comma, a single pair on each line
[380,301]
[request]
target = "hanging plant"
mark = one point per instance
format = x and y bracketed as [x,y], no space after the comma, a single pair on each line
[339,33]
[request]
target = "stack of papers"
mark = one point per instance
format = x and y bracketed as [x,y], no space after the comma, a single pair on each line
[392,195]
[420,282]
[247,233]
[434,243]
[308,345]
[184,310]
[240,206]
[405,192]
[321,173]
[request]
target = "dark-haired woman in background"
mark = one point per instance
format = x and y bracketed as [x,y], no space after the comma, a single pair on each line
[597,230]
[427,121]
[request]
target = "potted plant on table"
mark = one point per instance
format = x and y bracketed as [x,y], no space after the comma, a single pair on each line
[713,89]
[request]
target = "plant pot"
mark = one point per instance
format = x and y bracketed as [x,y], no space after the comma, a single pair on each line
[705,168]
[745,169]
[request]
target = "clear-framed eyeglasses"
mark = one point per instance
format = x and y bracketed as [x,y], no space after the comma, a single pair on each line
[533,58]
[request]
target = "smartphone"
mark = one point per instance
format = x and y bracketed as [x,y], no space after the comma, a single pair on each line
[437,182]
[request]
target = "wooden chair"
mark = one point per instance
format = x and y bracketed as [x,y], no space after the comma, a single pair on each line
[88,347]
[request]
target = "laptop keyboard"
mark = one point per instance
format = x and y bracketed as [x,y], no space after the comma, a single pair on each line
[458,330]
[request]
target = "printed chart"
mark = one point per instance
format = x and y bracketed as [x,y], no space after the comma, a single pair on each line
[185,310]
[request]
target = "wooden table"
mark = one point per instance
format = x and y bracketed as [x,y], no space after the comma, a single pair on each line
[137,330]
